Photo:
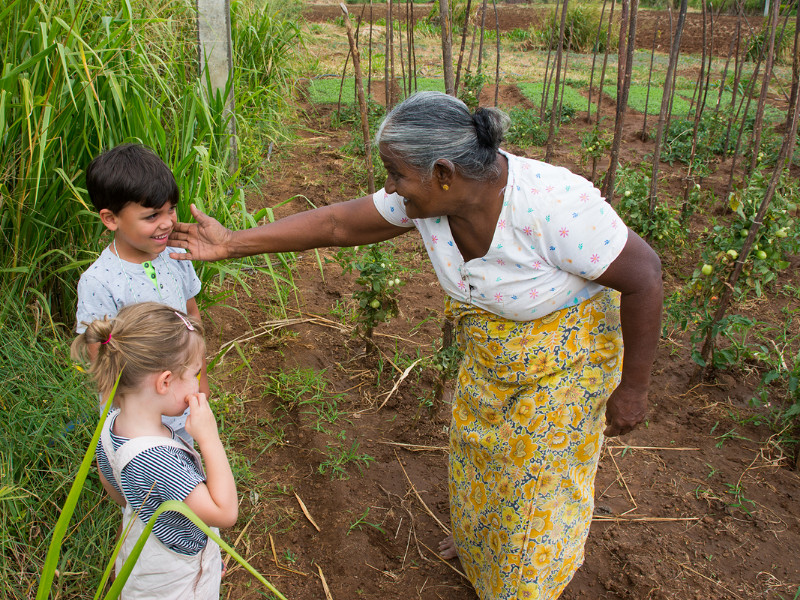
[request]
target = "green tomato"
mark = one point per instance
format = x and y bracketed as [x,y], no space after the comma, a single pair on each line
[627,193]
[375,304]
[781,233]
[397,281]
[733,254]
[706,269]
[761,254]
[744,232]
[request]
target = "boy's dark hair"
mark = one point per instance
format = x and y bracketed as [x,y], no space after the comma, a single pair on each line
[130,173]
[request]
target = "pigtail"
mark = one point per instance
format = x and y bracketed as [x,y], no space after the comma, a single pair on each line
[108,362]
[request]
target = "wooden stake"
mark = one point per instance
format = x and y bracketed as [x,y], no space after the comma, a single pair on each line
[362,102]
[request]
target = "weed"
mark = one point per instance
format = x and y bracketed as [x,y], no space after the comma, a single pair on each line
[739,501]
[339,456]
[362,521]
[729,435]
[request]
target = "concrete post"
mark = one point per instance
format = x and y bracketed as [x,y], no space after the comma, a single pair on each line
[215,52]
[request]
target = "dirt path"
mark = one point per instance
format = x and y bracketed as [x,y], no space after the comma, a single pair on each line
[700,504]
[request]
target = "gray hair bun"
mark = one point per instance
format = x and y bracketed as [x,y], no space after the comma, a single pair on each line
[489,127]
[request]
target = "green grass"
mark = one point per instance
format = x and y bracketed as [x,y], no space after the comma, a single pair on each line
[325,90]
[572,97]
[47,416]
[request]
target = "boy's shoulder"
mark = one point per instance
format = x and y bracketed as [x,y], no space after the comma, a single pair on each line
[102,264]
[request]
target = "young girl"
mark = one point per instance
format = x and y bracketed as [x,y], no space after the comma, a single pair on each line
[159,353]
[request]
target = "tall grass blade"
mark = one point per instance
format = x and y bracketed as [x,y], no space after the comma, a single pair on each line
[174,505]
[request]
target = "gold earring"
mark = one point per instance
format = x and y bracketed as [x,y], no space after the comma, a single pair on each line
[445,187]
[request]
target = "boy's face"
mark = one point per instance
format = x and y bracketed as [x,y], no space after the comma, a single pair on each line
[140,233]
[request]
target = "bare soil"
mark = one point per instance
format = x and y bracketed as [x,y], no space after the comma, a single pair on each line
[698,503]
[522,16]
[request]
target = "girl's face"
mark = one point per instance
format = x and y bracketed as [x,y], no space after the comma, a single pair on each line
[181,387]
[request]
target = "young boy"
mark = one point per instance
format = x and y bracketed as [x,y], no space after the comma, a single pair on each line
[135,195]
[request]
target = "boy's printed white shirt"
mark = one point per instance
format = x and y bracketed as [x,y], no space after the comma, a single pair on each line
[111,283]
[555,234]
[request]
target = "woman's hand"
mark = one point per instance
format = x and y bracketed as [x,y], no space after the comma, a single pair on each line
[204,240]
[200,423]
[626,408]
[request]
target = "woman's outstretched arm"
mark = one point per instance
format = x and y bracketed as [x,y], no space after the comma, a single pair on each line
[350,223]
[636,273]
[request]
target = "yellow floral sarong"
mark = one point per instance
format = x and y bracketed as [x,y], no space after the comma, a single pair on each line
[528,420]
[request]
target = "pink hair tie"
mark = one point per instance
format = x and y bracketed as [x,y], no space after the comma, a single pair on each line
[107,340]
[189,326]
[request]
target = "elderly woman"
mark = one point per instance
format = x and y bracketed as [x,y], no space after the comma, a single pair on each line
[543,281]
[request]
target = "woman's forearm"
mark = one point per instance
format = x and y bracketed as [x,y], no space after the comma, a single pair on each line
[348,223]
[636,273]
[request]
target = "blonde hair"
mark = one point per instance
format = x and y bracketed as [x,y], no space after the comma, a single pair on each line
[143,338]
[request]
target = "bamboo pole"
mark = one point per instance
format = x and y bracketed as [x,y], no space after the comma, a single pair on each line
[762,98]
[447,47]
[696,126]
[622,102]
[362,102]
[464,32]
[605,60]
[674,52]
[554,109]
[594,60]
[643,135]
[369,56]
[483,30]
[497,66]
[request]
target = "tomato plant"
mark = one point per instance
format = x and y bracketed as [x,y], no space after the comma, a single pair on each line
[379,281]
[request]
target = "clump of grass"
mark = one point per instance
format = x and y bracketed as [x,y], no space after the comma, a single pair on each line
[783,44]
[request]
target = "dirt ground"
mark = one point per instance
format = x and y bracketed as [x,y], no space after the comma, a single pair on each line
[522,16]
[698,503]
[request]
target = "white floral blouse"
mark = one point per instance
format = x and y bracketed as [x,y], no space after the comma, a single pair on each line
[555,234]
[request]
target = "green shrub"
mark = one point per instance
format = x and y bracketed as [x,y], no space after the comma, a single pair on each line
[783,44]
[662,228]
[580,31]
[526,128]
[78,79]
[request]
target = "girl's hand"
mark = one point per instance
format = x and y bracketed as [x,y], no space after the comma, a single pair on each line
[200,423]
